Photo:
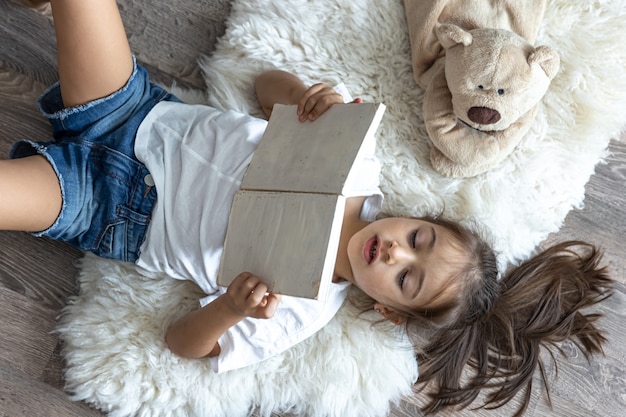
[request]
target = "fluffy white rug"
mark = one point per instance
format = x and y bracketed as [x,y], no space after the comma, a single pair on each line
[113,330]
[365,44]
[117,361]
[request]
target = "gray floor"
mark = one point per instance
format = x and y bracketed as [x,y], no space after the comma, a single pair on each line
[36,275]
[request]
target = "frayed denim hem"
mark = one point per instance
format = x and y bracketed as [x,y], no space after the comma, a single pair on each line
[50,103]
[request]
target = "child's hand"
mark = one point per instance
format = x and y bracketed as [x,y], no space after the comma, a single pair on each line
[247,296]
[316,100]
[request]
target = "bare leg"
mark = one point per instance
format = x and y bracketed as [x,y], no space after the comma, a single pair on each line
[94,61]
[92,49]
[30,194]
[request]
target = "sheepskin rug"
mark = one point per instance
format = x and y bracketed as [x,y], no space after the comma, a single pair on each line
[113,330]
[117,360]
[364,43]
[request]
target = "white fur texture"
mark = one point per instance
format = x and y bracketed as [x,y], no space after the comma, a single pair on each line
[117,360]
[365,44]
[113,331]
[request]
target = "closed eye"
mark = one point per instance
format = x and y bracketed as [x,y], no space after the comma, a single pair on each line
[402,278]
[433,239]
[413,238]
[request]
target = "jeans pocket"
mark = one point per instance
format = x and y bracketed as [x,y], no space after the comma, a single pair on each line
[122,238]
[112,242]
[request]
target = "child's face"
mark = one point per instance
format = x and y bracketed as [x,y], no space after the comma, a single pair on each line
[405,263]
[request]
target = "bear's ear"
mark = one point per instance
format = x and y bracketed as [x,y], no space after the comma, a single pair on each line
[546,58]
[450,35]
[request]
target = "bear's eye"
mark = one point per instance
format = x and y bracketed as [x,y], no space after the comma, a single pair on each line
[500,91]
[480,87]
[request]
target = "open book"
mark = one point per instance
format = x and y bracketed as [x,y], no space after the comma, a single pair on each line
[286,219]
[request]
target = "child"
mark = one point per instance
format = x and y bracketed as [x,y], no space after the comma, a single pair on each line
[135,175]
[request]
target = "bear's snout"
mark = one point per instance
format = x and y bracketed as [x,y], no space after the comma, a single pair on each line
[483,115]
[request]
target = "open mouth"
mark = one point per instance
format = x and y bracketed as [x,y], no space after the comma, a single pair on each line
[370,250]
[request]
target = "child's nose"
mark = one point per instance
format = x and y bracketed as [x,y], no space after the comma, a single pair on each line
[396,253]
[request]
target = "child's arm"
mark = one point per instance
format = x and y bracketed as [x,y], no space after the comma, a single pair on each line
[285,88]
[196,334]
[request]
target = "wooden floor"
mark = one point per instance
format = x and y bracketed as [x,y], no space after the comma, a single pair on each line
[37,275]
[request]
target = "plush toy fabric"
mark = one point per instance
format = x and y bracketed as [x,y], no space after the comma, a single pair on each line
[481,75]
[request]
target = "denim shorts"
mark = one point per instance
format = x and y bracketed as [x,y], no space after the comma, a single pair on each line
[108,195]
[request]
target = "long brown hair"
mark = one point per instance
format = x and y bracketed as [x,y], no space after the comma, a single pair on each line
[497,328]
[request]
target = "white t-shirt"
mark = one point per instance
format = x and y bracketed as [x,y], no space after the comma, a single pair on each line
[197,156]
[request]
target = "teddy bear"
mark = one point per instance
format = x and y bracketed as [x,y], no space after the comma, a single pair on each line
[481,75]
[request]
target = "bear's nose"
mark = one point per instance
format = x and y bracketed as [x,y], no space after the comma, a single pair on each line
[483,115]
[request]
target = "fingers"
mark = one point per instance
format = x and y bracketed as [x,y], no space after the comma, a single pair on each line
[316,100]
[244,284]
[272,301]
[249,297]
